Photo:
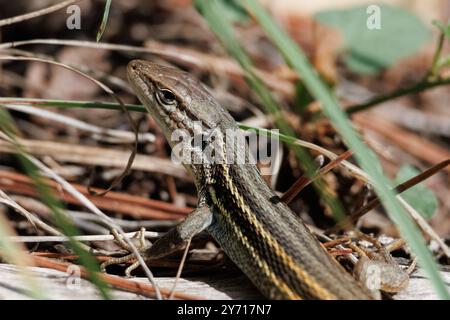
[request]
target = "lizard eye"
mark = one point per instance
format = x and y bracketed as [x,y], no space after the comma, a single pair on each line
[166,97]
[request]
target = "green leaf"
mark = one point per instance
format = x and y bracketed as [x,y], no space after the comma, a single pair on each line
[400,35]
[361,65]
[419,197]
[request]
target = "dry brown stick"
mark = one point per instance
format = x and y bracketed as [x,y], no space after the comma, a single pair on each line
[96,156]
[32,218]
[303,181]
[395,245]
[103,203]
[62,256]
[36,13]
[65,256]
[118,196]
[93,237]
[101,133]
[180,269]
[335,242]
[124,203]
[159,263]
[115,281]
[340,252]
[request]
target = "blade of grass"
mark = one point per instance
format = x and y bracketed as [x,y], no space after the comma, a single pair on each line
[368,161]
[102,27]
[67,104]
[212,11]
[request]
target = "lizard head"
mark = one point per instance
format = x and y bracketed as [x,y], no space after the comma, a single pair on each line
[174,98]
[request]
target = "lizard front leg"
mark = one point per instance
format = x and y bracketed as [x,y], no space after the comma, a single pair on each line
[175,239]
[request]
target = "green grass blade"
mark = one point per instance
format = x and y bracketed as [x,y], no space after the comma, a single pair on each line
[365,157]
[102,27]
[67,104]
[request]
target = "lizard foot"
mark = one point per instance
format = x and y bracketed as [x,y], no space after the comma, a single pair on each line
[142,247]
